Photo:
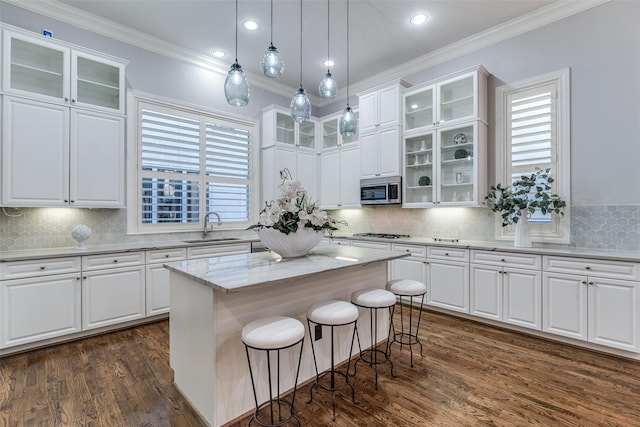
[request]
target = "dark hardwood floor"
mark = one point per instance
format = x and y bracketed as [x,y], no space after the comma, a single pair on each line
[471,375]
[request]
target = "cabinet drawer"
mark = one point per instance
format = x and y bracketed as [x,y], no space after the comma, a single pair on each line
[165,255]
[593,267]
[34,268]
[418,251]
[125,259]
[372,245]
[196,252]
[507,259]
[452,254]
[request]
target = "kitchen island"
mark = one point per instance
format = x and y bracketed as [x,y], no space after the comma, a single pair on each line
[212,299]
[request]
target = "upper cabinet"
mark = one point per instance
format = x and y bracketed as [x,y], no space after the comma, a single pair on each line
[279,128]
[331,137]
[43,69]
[452,100]
[380,107]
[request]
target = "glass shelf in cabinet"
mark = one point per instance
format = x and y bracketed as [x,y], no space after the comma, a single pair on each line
[461,100]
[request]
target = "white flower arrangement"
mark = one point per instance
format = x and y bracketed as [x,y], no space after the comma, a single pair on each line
[294,210]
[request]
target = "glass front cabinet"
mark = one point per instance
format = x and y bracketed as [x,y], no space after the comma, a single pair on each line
[444,141]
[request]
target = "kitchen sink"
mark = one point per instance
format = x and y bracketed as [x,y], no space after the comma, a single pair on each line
[212,239]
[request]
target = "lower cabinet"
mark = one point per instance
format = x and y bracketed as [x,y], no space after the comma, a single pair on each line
[413,267]
[157,278]
[448,278]
[503,289]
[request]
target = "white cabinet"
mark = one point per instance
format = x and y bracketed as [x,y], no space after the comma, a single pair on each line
[39,300]
[593,300]
[445,166]
[413,267]
[113,289]
[330,130]
[380,130]
[208,251]
[78,145]
[157,283]
[51,71]
[448,278]
[507,287]
[288,145]
[457,98]
[380,153]
[340,177]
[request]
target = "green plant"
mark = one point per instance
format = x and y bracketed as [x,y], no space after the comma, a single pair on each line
[529,193]
[424,180]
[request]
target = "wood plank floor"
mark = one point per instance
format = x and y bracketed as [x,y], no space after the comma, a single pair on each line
[471,375]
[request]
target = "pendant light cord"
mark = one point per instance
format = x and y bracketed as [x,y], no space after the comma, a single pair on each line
[300,44]
[271,24]
[328,26]
[236,31]
[347,53]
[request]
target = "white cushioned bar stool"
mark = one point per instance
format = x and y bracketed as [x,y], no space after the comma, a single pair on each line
[273,334]
[332,313]
[374,300]
[407,289]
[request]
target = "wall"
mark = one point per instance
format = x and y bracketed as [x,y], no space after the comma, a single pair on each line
[600,46]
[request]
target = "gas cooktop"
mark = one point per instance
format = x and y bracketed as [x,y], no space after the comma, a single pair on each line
[382,235]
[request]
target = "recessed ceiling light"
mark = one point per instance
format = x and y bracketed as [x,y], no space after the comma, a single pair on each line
[329,63]
[250,25]
[419,19]
[218,53]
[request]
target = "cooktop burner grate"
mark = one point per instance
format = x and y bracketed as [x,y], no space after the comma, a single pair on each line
[382,235]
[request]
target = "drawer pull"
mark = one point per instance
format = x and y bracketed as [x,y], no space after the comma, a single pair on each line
[84,277]
[584,282]
[503,260]
[587,268]
[115,260]
[591,283]
[166,255]
[446,254]
[78,278]
[42,267]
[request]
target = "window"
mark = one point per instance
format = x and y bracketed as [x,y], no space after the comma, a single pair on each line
[532,131]
[190,162]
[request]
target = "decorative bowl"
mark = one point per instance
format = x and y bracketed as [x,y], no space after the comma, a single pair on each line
[290,245]
[460,153]
[424,180]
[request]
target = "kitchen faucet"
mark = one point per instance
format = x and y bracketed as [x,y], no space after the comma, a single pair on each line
[206,218]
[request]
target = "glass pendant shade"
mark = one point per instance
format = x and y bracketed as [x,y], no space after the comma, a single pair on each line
[328,87]
[236,86]
[300,106]
[272,64]
[348,122]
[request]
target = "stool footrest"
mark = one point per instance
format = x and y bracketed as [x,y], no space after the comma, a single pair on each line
[326,387]
[405,339]
[277,403]
[368,356]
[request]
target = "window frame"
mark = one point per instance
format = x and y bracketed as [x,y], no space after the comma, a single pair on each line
[136,102]
[558,231]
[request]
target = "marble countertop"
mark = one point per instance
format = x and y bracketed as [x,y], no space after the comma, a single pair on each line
[233,273]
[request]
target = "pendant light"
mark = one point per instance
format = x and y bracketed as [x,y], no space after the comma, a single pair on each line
[236,86]
[272,64]
[300,105]
[328,87]
[348,120]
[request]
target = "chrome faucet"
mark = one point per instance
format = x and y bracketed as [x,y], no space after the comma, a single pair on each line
[205,230]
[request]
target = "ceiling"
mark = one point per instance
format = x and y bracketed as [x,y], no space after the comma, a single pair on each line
[381,36]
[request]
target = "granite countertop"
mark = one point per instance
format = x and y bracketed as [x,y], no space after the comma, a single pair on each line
[233,273]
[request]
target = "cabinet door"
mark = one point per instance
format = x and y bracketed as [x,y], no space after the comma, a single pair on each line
[418,179]
[564,305]
[112,296]
[369,155]
[307,134]
[35,153]
[97,82]
[35,67]
[486,291]
[614,313]
[389,106]
[457,98]
[330,133]
[522,296]
[389,152]
[39,308]
[408,268]
[307,172]
[457,177]
[97,159]
[349,177]
[285,129]
[418,109]
[448,286]
[368,105]
[157,290]
[330,179]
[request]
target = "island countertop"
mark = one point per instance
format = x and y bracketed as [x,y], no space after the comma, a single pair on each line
[233,273]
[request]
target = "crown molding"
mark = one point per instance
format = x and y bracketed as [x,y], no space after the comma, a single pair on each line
[538,18]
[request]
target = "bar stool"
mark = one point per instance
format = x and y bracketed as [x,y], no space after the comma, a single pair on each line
[270,334]
[332,313]
[374,300]
[403,288]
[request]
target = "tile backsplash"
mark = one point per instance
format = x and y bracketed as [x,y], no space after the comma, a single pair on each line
[597,227]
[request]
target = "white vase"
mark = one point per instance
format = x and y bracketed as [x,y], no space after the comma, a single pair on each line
[290,245]
[81,234]
[522,235]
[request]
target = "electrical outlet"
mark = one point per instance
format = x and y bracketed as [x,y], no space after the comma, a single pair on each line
[318,332]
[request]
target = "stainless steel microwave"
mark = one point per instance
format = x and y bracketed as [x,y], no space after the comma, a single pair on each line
[381,191]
